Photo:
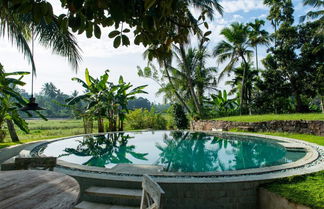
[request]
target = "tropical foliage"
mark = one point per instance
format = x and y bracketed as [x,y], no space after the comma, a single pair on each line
[180,118]
[188,82]
[221,105]
[145,119]
[235,49]
[106,100]
[155,23]
[290,78]
[10,102]
[20,27]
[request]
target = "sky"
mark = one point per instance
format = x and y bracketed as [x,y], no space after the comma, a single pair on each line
[99,54]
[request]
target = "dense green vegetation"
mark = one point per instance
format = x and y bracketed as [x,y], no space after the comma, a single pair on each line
[173,20]
[269,117]
[291,79]
[293,64]
[144,119]
[10,99]
[307,190]
[105,100]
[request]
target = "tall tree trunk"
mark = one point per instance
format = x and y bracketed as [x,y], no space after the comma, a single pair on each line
[121,125]
[190,84]
[243,85]
[256,57]
[87,124]
[299,105]
[100,125]
[175,90]
[250,98]
[194,97]
[322,103]
[12,131]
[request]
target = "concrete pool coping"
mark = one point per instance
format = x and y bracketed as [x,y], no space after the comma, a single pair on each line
[311,162]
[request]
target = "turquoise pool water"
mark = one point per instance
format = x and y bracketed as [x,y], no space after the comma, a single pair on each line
[176,151]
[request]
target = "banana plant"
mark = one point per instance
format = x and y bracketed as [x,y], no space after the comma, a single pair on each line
[10,102]
[222,105]
[123,95]
[105,99]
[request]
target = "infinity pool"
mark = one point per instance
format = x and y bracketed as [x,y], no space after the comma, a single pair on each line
[176,151]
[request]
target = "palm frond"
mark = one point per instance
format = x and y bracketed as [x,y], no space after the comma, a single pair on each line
[15,32]
[61,43]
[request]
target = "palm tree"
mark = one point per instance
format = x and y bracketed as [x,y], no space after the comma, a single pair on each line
[21,28]
[258,37]
[50,90]
[191,74]
[234,48]
[314,14]
[251,77]
[318,14]
[189,80]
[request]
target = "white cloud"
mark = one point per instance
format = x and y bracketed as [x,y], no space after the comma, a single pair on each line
[237,17]
[242,5]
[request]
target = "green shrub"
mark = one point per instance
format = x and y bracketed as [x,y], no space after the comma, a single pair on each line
[180,118]
[142,119]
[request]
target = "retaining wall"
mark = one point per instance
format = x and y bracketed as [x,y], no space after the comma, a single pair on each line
[270,200]
[240,195]
[315,127]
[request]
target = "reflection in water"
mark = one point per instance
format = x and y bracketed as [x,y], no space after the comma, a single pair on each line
[105,149]
[200,152]
[174,150]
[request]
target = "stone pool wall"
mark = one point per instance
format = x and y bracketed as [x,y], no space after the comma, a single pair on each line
[208,195]
[315,127]
[240,195]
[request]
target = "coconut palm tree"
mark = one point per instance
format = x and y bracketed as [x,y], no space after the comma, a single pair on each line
[189,80]
[258,37]
[318,4]
[192,76]
[318,14]
[251,76]
[234,48]
[21,28]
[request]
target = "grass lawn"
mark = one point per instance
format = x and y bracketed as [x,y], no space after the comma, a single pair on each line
[53,128]
[269,117]
[305,137]
[307,190]
[50,129]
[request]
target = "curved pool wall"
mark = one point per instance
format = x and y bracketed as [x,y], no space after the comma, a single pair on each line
[171,151]
[211,190]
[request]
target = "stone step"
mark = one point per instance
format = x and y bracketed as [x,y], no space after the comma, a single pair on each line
[113,196]
[114,192]
[94,205]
